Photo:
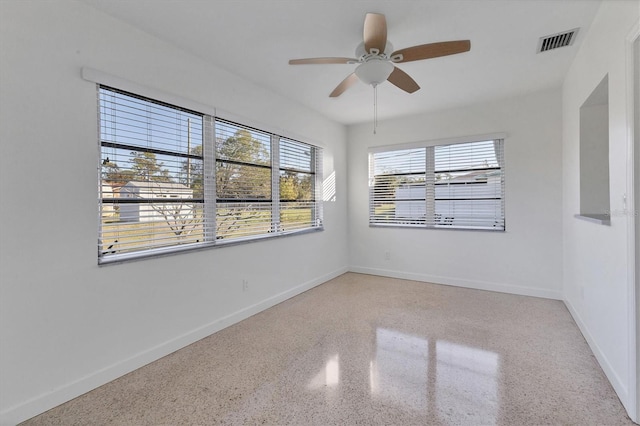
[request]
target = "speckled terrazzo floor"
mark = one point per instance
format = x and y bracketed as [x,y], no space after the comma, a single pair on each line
[366,350]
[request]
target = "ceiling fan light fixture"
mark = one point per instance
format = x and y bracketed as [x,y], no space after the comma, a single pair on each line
[374,71]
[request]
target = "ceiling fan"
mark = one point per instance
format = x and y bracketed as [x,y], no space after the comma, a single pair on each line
[376,57]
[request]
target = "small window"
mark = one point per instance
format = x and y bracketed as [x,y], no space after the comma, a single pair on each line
[444,186]
[297,177]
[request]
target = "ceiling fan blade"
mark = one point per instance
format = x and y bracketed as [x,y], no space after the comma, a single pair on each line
[307,61]
[375,32]
[432,50]
[402,80]
[346,83]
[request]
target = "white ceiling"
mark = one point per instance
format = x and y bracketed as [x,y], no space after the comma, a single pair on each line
[256,38]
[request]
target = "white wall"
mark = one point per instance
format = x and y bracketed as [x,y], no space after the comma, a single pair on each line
[527,258]
[67,325]
[596,259]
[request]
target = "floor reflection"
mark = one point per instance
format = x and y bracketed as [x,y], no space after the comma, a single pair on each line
[444,378]
[398,373]
[466,382]
[328,376]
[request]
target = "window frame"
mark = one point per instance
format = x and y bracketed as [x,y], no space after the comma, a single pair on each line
[421,186]
[208,203]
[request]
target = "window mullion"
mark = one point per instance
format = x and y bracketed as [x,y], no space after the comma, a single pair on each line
[275,184]
[209,153]
[430,192]
[316,164]
[499,149]
[372,193]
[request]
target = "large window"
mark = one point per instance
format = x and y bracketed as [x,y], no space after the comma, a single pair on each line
[443,186]
[173,179]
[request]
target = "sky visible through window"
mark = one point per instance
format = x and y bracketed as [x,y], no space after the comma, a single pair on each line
[476,155]
[138,123]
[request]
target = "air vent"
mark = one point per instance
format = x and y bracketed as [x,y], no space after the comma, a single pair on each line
[554,41]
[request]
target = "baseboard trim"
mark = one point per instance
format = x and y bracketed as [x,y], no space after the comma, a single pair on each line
[60,395]
[459,282]
[614,379]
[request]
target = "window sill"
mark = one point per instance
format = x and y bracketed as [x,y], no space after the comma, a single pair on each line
[445,227]
[173,250]
[600,219]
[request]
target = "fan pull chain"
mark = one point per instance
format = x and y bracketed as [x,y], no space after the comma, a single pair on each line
[375,108]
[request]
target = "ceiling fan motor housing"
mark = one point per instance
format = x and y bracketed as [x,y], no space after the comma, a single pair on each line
[374,71]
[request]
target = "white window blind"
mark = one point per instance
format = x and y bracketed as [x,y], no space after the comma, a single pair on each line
[397,187]
[243,181]
[173,179]
[444,186]
[299,193]
[151,188]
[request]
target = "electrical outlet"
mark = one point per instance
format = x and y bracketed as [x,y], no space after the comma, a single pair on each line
[387,255]
[245,285]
